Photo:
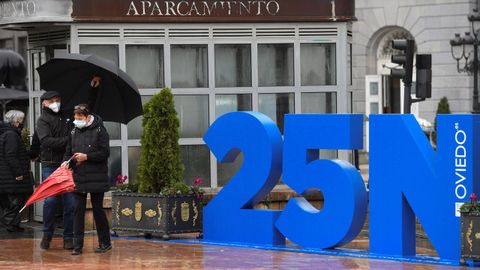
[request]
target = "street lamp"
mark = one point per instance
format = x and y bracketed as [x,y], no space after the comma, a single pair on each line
[462,50]
[461,47]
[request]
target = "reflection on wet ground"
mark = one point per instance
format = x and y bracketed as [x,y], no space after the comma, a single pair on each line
[21,251]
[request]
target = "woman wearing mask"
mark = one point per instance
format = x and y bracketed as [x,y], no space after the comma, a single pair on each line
[15,182]
[88,147]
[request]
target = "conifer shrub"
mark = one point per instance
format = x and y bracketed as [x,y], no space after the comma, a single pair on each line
[443,108]
[160,167]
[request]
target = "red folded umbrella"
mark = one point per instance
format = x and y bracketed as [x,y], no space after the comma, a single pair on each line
[59,182]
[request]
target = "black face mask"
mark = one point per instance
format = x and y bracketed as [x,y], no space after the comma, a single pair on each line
[20,126]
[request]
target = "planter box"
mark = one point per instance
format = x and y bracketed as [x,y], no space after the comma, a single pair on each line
[152,213]
[470,235]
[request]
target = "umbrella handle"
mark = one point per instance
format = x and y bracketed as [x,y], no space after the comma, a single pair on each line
[70,159]
[23,208]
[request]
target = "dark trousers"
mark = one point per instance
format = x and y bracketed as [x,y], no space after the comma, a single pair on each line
[101,222]
[50,209]
[10,204]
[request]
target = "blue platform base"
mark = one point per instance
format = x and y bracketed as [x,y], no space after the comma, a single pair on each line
[342,252]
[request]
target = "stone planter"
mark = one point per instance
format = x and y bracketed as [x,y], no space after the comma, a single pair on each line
[152,213]
[470,236]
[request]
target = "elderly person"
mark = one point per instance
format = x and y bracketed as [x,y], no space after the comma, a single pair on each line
[15,182]
[52,131]
[89,148]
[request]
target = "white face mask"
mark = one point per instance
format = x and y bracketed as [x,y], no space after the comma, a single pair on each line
[80,123]
[55,107]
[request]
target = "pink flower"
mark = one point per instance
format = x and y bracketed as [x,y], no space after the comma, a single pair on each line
[121,179]
[473,197]
[198,181]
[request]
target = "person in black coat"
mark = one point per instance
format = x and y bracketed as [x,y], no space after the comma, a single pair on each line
[89,147]
[15,182]
[52,132]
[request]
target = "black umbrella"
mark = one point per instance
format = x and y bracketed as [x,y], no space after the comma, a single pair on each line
[116,99]
[12,69]
[7,95]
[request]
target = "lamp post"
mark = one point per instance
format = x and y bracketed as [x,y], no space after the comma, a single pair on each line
[462,51]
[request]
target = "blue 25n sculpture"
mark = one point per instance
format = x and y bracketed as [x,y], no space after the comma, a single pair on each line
[408,179]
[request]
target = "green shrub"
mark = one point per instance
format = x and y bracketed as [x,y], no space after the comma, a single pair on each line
[443,108]
[160,166]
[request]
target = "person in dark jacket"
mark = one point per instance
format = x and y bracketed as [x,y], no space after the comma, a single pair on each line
[89,144]
[52,131]
[15,182]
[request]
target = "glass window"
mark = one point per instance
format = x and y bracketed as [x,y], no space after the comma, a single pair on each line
[109,51]
[318,64]
[276,106]
[233,67]
[275,65]
[36,112]
[133,159]
[22,47]
[225,171]
[189,66]
[350,102]
[232,103]
[113,130]
[115,163]
[192,111]
[36,76]
[145,65]
[374,108]
[38,59]
[319,102]
[134,127]
[323,154]
[225,104]
[7,44]
[373,88]
[196,159]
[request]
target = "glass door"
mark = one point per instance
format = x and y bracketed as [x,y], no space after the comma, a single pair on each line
[38,57]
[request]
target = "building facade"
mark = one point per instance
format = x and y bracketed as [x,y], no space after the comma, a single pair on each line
[275,57]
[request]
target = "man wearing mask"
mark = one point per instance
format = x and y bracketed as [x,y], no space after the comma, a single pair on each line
[15,181]
[53,130]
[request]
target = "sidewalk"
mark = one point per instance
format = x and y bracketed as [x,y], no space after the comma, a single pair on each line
[21,251]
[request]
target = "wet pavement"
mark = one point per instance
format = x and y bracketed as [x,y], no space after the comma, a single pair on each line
[21,251]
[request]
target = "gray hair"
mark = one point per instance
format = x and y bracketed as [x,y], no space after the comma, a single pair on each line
[13,116]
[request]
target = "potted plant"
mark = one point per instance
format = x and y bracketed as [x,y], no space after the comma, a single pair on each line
[470,229]
[163,202]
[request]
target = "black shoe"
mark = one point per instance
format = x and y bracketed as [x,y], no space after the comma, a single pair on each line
[77,251]
[68,244]
[45,244]
[103,248]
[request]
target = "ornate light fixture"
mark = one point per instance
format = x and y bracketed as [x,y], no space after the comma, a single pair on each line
[463,49]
